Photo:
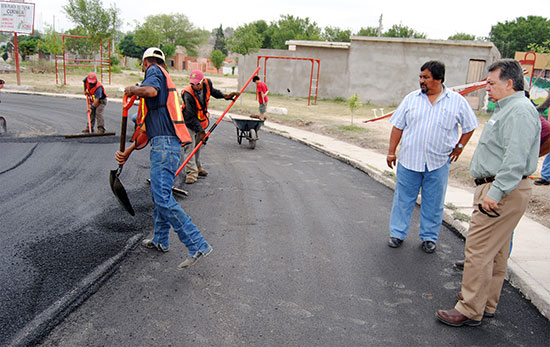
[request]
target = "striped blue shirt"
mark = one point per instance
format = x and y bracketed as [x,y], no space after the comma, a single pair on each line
[431,132]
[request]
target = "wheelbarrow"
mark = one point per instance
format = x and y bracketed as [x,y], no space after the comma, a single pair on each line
[247,127]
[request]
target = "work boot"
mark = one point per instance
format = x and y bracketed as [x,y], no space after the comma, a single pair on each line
[190,179]
[100,130]
[148,243]
[203,172]
[86,131]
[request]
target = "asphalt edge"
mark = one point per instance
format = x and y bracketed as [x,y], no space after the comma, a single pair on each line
[43,323]
[515,275]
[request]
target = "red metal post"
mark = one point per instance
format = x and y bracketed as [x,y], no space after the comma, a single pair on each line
[17,59]
[101,59]
[317,82]
[64,67]
[109,61]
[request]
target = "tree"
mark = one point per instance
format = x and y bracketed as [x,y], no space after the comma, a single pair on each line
[245,39]
[92,19]
[27,44]
[129,48]
[403,31]
[168,30]
[219,44]
[368,31]
[50,43]
[354,104]
[543,48]
[462,36]
[517,35]
[217,57]
[336,35]
[289,27]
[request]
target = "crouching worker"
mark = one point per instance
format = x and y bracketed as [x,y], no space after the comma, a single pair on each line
[160,114]
[195,111]
[94,91]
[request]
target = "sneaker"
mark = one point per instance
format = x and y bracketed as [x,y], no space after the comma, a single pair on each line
[192,260]
[203,172]
[542,182]
[428,246]
[148,243]
[459,264]
[394,242]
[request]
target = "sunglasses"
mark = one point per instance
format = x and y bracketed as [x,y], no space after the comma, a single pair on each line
[482,210]
[197,84]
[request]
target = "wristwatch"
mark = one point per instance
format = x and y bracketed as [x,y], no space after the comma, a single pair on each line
[460,145]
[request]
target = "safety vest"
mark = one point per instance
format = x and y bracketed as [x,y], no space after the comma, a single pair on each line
[92,91]
[174,109]
[202,114]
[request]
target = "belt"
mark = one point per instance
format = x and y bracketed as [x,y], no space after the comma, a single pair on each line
[483,180]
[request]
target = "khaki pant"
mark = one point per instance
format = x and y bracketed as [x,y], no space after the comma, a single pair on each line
[99,115]
[487,249]
[194,164]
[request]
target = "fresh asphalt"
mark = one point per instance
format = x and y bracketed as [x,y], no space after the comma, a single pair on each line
[300,255]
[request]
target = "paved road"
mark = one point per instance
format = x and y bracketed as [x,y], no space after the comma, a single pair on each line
[300,259]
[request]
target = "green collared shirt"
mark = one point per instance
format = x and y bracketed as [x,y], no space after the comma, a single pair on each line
[509,146]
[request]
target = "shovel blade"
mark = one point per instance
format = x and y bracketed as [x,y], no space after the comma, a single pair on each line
[120,192]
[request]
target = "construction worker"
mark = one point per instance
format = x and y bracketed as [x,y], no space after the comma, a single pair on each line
[97,99]
[195,112]
[160,112]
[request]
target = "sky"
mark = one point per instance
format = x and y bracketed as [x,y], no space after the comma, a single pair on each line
[437,19]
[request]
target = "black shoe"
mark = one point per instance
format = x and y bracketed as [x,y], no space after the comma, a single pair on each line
[459,264]
[542,182]
[428,246]
[394,242]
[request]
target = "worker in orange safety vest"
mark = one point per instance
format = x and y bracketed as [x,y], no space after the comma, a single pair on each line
[95,92]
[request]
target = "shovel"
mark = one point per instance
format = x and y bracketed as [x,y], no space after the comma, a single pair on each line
[89,114]
[116,186]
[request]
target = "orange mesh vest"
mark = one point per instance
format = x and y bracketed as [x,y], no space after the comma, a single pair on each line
[92,91]
[201,114]
[174,109]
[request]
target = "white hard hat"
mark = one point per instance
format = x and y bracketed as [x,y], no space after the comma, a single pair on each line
[153,52]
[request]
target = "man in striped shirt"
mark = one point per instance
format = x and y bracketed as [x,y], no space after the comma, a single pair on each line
[426,123]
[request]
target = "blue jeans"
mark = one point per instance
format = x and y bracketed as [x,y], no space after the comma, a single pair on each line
[545,171]
[165,156]
[434,187]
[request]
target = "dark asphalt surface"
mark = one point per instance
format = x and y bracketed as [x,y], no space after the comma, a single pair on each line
[300,253]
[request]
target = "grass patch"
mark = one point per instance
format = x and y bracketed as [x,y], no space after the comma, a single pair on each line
[463,217]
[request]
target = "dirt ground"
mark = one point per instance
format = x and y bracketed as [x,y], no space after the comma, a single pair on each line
[327,117]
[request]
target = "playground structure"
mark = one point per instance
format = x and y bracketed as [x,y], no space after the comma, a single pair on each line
[311,79]
[70,62]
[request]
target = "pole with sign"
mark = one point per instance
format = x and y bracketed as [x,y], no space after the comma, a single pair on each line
[17,17]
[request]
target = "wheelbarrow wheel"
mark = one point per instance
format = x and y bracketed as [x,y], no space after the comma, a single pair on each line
[239,137]
[252,143]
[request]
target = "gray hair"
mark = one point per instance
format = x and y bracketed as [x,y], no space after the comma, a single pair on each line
[510,69]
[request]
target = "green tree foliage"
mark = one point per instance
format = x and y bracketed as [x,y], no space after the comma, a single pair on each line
[368,31]
[398,30]
[517,35]
[217,57]
[462,36]
[50,43]
[289,27]
[92,19]
[543,48]
[168,30]
[354,104]
[334,34]
[27,44]
[129,48]
[246,39]
[219,43]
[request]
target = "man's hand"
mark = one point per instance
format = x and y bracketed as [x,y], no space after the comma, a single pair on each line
[202,137]
[457,151]
[121,158]
[489,204]
[231,96]
[391,160]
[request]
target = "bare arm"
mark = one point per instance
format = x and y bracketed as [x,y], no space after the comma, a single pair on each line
[395,138]
[142,92]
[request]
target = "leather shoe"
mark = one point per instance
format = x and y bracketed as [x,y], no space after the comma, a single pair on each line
[459,296]
[459,264]
[455,319]
[541,182]
[394,242]
[428,246]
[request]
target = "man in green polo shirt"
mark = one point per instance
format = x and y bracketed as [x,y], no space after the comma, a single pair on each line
[507,153]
